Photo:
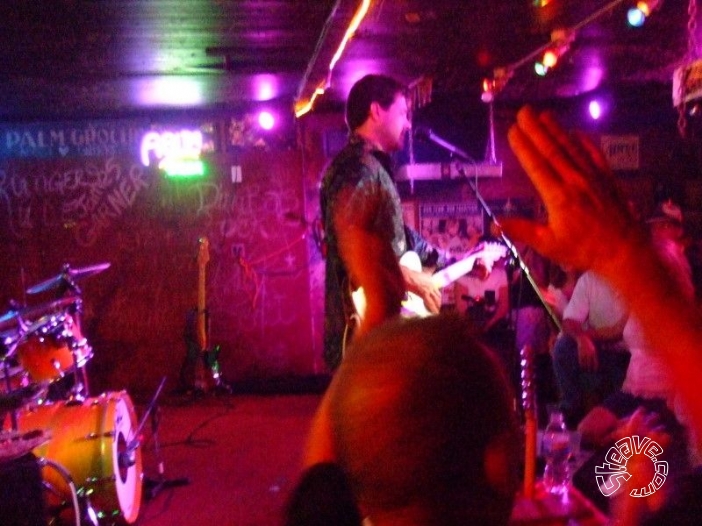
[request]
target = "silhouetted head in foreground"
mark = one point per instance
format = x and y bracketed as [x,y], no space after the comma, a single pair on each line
[423,425]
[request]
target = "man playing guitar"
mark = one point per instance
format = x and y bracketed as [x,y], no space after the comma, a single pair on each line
[359,201]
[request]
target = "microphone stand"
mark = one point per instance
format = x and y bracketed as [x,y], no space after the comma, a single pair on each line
[153,487]
[457,152]
[513,249]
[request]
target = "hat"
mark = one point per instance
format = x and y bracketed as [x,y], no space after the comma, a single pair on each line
[666,212]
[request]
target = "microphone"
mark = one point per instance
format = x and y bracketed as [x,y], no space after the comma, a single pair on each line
[426,134]
[127,458]
[422,133]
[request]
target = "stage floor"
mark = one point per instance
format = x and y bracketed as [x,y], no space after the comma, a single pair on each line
[240,454]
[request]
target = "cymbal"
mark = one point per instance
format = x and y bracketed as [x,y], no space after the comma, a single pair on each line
[9,315]
[8,321]
[66,277]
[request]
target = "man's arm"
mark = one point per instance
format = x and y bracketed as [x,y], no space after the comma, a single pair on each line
[587,352]
[369,259]
[418,282]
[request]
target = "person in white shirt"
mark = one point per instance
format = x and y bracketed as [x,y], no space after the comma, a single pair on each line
[649,381]
[589,357]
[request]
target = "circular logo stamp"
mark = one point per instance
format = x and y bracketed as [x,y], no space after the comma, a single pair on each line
[613,472]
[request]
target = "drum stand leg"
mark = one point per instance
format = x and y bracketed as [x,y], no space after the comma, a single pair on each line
[153,487]
[79,391]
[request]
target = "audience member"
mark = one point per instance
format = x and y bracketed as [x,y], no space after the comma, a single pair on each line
[648,381]
[423,424]
[590,228]
[589,357]
[483,296]
[322,497]
[531,321]
[561,283]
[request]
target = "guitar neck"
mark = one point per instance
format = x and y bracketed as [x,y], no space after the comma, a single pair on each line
[451,273]
[201,310]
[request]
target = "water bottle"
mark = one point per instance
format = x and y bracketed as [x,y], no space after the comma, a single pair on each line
[556,451]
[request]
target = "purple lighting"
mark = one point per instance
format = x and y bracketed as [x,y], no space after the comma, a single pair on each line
[266,120]
[595,109]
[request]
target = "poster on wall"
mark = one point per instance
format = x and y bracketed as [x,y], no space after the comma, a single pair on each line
[453,227]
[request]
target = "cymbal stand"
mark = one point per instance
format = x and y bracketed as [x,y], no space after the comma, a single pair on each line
[8,389]
[11,346]
[79,390]
[154,487]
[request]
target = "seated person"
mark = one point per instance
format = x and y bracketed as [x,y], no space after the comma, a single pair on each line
[648,384]
[531,323]
[589,357]
[648,380]
[590,228]
[483,296]
[420,417]
[560,288]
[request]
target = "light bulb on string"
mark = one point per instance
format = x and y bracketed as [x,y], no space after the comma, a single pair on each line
[492,86]
[540,69]
[561,40]
[488,94]
[636,16]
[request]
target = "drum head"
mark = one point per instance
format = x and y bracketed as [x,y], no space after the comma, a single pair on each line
[91,441]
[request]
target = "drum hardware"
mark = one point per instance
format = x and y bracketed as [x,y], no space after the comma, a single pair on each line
[55,511]
[15,318]
[66,280]
[153,486]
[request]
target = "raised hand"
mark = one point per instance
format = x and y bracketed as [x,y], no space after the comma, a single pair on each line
[588,222]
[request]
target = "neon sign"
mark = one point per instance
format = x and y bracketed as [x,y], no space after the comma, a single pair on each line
[177,153]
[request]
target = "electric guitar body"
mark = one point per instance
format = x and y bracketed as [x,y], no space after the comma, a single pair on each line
[413,305]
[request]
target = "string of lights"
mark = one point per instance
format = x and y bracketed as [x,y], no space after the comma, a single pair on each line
[547,56]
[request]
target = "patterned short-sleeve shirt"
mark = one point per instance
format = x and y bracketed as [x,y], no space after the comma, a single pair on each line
[363,173]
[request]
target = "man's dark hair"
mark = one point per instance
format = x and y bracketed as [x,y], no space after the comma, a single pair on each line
[371,88]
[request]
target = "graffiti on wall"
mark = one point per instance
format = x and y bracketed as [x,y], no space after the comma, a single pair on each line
[86,198]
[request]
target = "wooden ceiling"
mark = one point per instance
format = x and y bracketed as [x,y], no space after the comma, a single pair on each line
[105,57]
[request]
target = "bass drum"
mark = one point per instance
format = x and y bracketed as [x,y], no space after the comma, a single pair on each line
[90,440]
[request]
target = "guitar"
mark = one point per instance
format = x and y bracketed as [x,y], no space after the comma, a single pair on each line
[202,357]
[488,253]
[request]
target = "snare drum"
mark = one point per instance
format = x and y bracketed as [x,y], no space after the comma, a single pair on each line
[51,348]
[90,440]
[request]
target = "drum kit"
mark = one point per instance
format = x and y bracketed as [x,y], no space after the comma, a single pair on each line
[88,446]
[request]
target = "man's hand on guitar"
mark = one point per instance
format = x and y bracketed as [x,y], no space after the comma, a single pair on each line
[421,284]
